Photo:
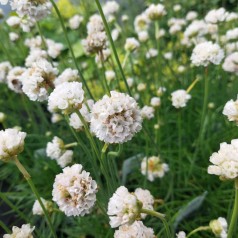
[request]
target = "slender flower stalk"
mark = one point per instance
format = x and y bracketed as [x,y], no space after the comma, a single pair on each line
[201,228]
[34,190]
[70,48]
[112,45]
[233,222]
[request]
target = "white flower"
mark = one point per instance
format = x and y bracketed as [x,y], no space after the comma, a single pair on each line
[53,48]
[68,75]
[180,98]
[37,209]
[11,143]
[191,15]
[38,79]
[207,52]
[153,168]
[35,55]
[110,75]
[177,7]
[4,69]
[13,21]
[232,34]
[131,44]
[151,53]
[143,36]
[56,117]
[95,24]
[75,21]
[141,87]
[74,119]
[3,2]
[231,110]
[141,23]
[130,82]
[66,97]
[123,208]
[24,232]
[225,161]
[231,63]
[147,112]
[155,102]
[219,227]
[14,80]
[74,191]
[181,234]
[13,36]
[116,119]
[110,8]
[168,55]
[155,12]
[136,230]
[161,91]
[216,15]
[144,196]
[115,34]
[56,150]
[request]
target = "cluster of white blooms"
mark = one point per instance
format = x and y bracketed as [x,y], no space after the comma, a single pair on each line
[66,97]
[137,229]
[231,63]
[216,15]
[85,111]
[96,40]
[207,52]
[155,12]
[176,25]
[115,34]
[75,21]
[11,143]
[13,36]
[24,232]
[38,79]
[116,119]
[152,167]
[151,53]
[35,55]
[147,112]
[131,44]
[110,8]
[191,15]
[14,80]
[123,208]
[143,36]
[141,23]
[231,110]
[4,69]
[105,54]
[56,150]
[219,227]
[37,209]
[110,75]
[231,34]
[181,234]
[180,98]
[225,161]
[155,102]
[74,191]
[68,75]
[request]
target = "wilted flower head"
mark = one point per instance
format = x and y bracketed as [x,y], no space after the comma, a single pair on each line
[116,119]
[66,97]
[37,209]
[74,191]
[180,98]
[11,143]
[231,110]
[225,161]
[153,168]
[123,208]
[24,232]
[137,229]
[219,227]
[206,53]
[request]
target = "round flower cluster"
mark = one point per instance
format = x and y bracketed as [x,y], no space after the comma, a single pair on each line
[216,15]
[231,110]
[131,44]
[155,12]
[153,168]
[225,161]
[75,21]
[116,119]
[181,234]
[24,232]
[207,52]
[74,191]
[231,63]
[219,227]
[147,112]
[68,75]
[11,143]
[56,150]
[180,98]
[66,97]
[37,209]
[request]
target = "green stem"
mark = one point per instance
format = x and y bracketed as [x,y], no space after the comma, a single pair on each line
[112,45]
[5,228]
[125,59]
[201,228]
[34,190]
[70,145]
[70,47]
[233,222]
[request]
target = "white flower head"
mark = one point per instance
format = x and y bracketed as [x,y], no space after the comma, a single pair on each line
[180,98]
[24,232]
[4,69]
[155,12]
[225,161]
[231,63]
[155,102]
[75,21]
[181,234]
[14,80]
[123,208]
[216,15]
[147,112]
[110,75]
[137,229]
[231,110]
[153,168]
[11,143]
[110,8]
[68,75]
[66,97]
[74,191]
[116,119]
[13,36]
[37,209]
[219,227]
[206,53]
[131,44]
